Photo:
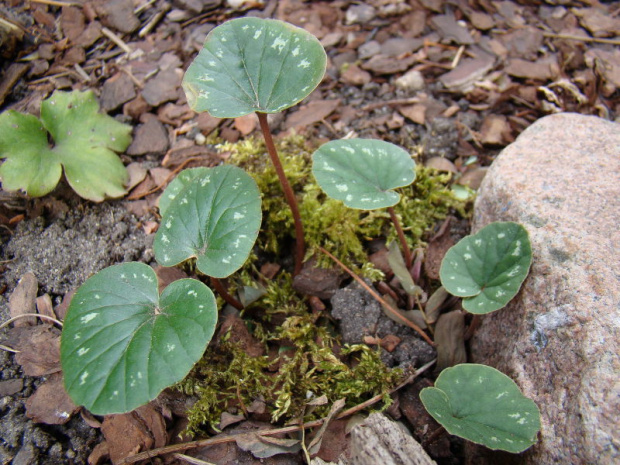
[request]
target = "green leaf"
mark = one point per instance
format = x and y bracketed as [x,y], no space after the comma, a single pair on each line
[488,268]
[179,183]
[253,64]
[480,403]
[215,218]
[362,172]
[30,165]
[84,139]
[122,343]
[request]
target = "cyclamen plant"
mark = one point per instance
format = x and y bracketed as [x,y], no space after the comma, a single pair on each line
[123,343]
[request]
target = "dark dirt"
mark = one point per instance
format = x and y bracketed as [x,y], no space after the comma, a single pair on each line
[65,241]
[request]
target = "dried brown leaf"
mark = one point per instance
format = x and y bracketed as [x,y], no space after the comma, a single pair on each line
[450,340]
[50,403]
[23,300]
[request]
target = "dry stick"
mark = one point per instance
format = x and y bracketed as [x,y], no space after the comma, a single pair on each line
[401,238]
[394,312]
[270,432]
[25,315]
[116,39]
[288,191]
[219,287]
[582,39]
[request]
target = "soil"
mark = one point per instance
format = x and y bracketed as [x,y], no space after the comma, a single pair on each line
[63,240]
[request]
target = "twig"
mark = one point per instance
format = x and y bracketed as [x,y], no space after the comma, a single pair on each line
[457,57]
[81,72]
[582,39]
[270,432]
[399,101]
[191,460]
[56,3]
[154,20]
[380,299]
[116,39]
[36,315]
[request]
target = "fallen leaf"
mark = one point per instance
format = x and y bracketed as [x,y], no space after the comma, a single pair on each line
[23,300]
[450,340]
[39,349]
[45,307]
[50,404]
[317,440]
[263,447]
[434,303]
[129,433]
[227,419]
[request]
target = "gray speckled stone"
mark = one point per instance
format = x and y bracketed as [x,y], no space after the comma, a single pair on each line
[560,337]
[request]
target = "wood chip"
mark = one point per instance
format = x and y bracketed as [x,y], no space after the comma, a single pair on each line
[311,113]
[496,130]
[246,124]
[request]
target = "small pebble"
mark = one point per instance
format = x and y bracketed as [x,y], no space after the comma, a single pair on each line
[411,81]
[360,14]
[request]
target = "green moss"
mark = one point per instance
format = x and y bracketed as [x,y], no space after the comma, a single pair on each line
[227,378]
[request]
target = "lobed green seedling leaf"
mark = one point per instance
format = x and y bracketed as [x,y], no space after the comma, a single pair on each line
[122,343]
[252,64]
[362,172]
[84,145]
[214,218]
[481,404]
[488,268]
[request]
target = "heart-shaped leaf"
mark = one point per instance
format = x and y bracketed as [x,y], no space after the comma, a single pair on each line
[488,268]
[84,139]
[362,172]
[179,183]
[253,64]
[480,403]
[215,218]
[122,343]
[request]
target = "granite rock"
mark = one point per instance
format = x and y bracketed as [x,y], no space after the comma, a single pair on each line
[559,339]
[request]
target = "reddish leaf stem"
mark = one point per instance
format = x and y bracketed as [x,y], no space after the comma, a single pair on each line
[288,191]
[221,290]
[401,238]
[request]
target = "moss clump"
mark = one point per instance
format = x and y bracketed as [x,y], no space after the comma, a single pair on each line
[227,379]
